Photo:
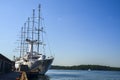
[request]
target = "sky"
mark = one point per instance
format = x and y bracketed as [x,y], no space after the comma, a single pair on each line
[79,31]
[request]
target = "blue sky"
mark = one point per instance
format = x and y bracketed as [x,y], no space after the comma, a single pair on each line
[79,31]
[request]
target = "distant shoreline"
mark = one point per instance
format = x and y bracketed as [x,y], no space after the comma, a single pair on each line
[86,67]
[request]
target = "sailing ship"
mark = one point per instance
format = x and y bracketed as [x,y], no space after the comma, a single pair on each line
[31,54]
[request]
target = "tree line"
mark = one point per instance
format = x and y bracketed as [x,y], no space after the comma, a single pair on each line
[86,67]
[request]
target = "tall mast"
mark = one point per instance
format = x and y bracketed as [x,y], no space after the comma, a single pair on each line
[21,42]
[24,37]
[38,27]
[32,41]
[28,28]
[33,24]
[22,47]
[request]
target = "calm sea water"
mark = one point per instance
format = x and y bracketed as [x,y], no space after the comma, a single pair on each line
[80,75]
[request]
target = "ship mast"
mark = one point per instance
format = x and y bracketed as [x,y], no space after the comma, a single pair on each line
[28,26]
[33,24]
[24,39]
[21,42]
[38,28]
[31,40]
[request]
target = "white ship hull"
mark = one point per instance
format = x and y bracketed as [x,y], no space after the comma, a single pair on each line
[41,66]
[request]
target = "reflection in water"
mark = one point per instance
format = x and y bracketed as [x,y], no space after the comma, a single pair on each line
[43,77]
[40,77]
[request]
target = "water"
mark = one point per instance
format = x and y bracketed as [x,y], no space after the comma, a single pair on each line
[80,75]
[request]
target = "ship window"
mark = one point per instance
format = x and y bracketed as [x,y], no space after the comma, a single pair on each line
[35,57]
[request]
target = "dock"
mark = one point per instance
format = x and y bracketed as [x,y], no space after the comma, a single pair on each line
[19,76]
[10,76]
[7,71]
